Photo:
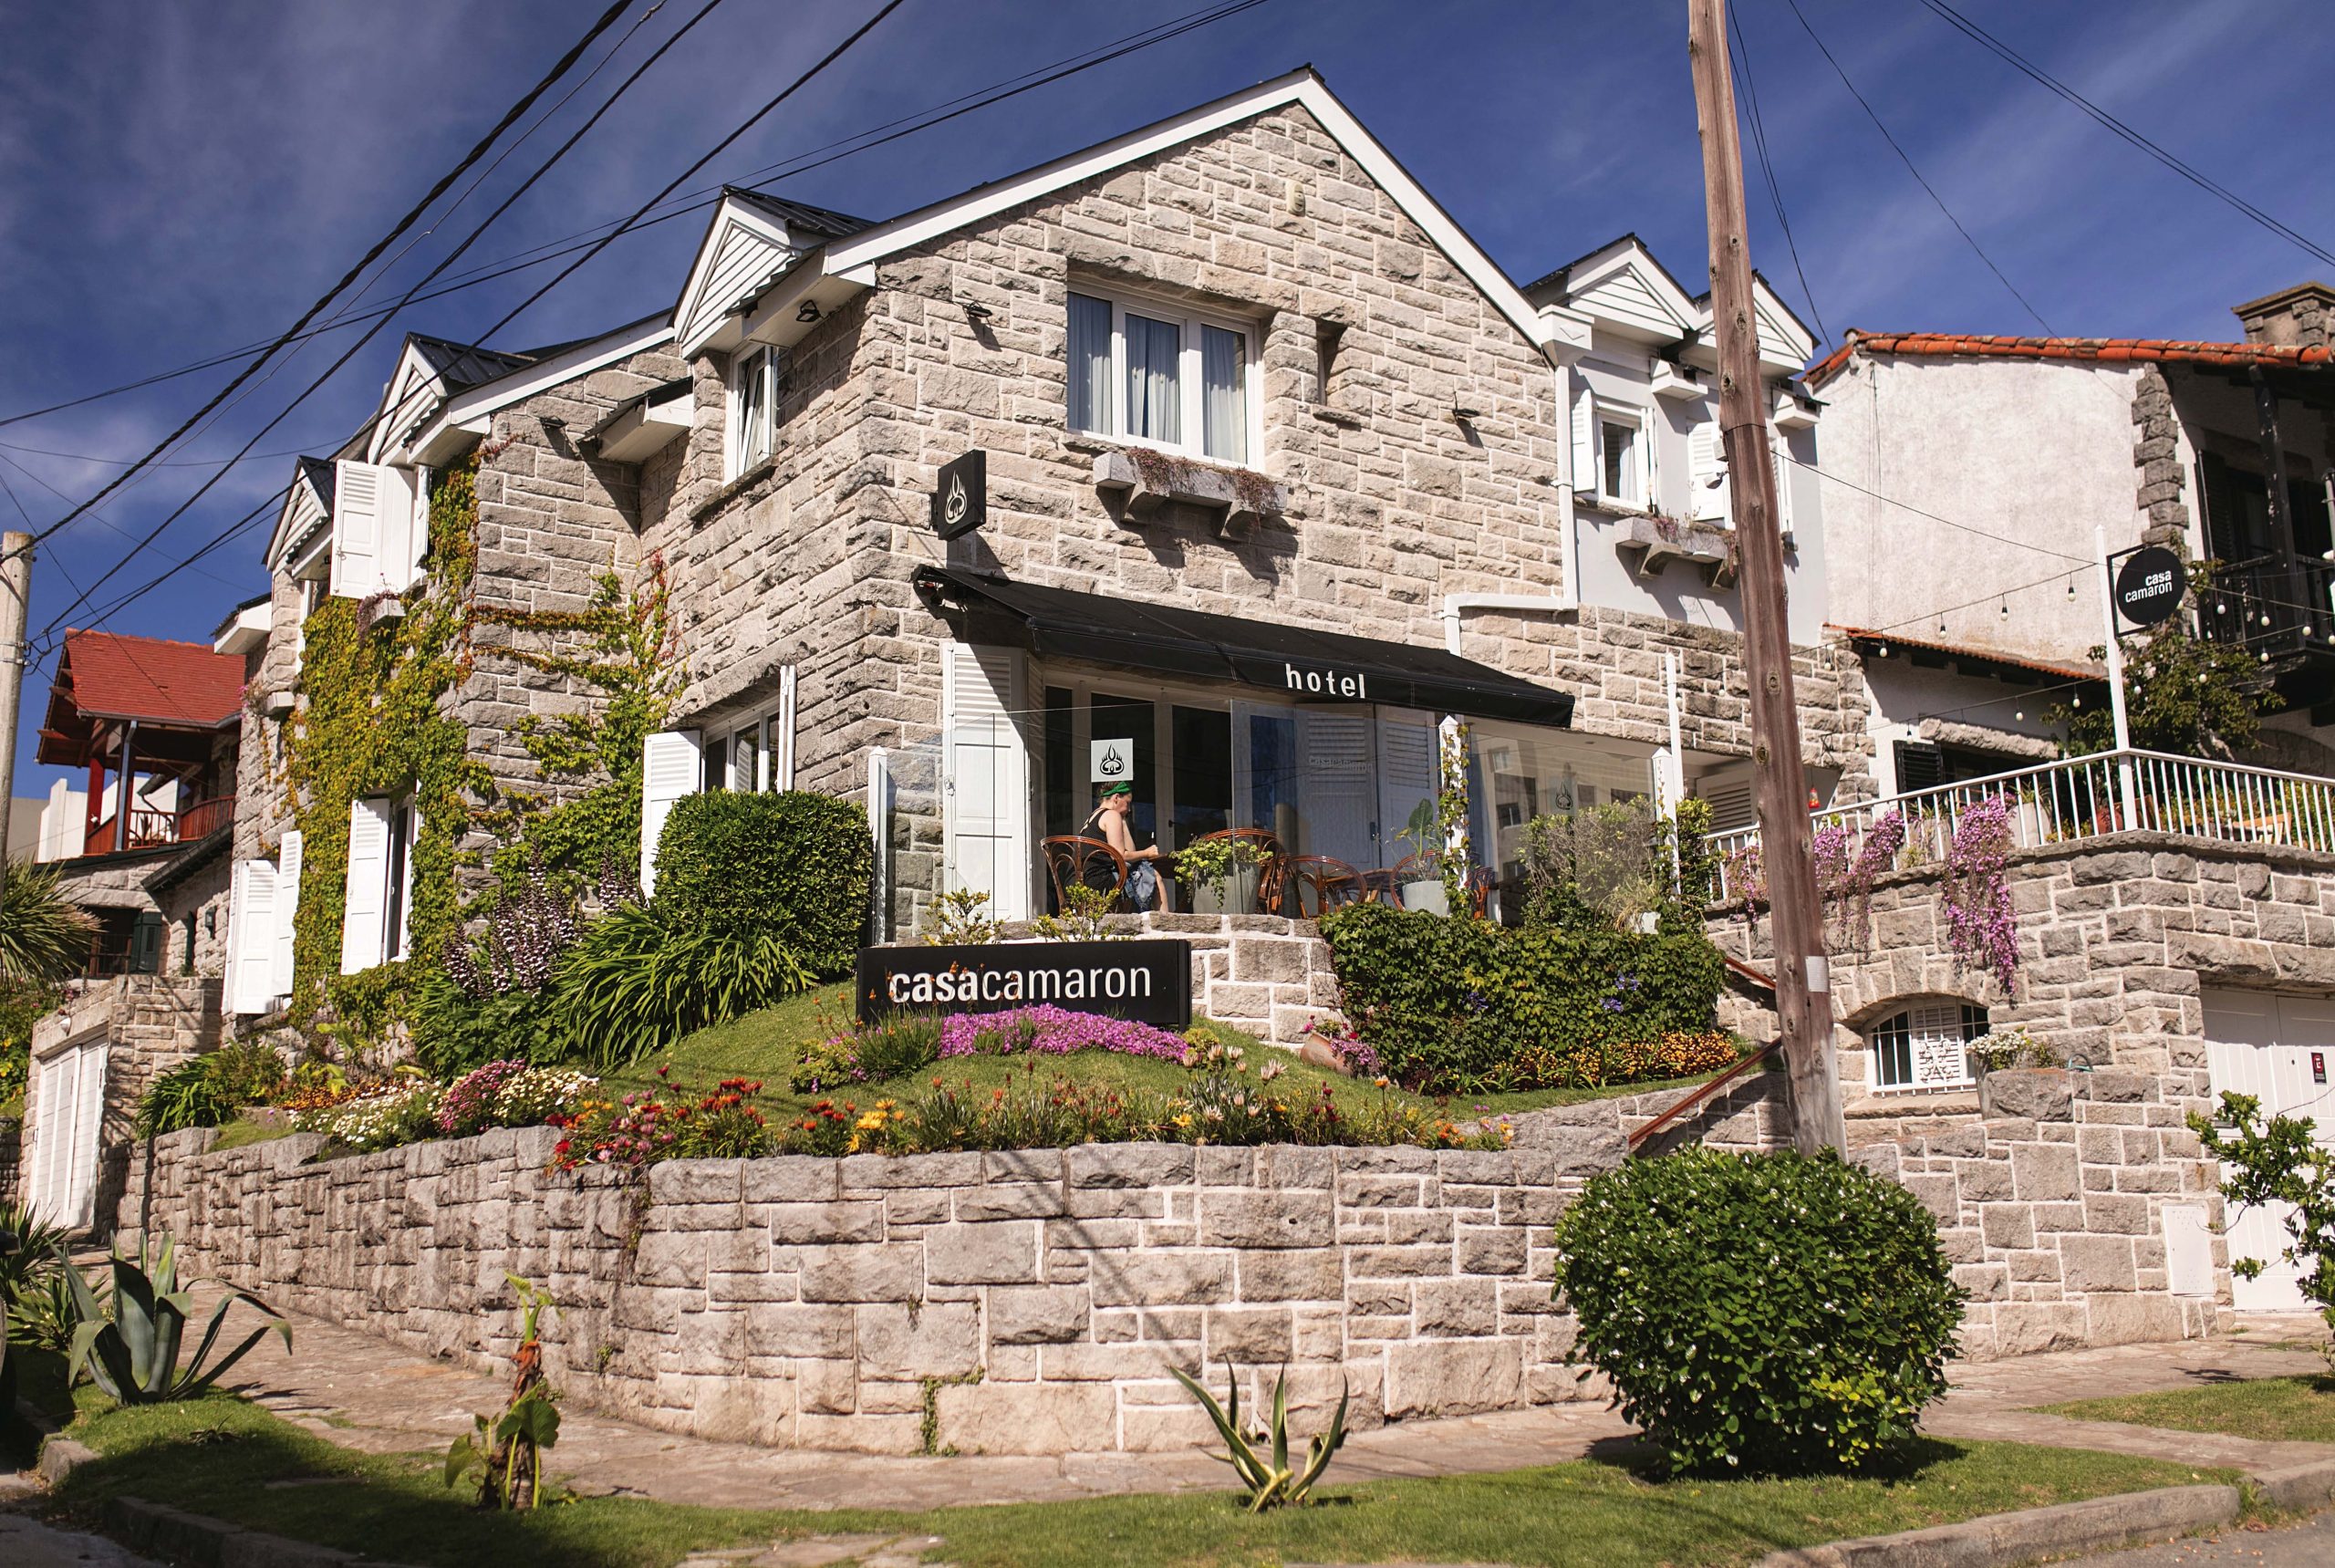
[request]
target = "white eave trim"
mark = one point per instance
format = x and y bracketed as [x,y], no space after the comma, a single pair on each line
[465,416]
[689,307]
[854,259]
[646,427]
[246,631]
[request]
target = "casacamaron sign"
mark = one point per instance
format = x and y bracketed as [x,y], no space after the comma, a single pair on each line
[1149,981]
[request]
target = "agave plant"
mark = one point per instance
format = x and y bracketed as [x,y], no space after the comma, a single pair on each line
[42,937]
[1266,1475]
[33,1259]
[132,1352]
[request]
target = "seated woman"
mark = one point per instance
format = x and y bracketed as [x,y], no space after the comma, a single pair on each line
[1110,821]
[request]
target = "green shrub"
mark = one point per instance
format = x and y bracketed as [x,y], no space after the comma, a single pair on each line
[454,1032]
[208,1091]
[637,979]
[795,866]
[1765,1312]
[1448,1002]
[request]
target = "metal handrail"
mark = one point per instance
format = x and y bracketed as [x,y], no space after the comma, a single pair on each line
[1699,1094]
[2093,796]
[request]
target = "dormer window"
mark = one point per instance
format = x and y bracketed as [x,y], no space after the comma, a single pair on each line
[1144,370]
[754,398]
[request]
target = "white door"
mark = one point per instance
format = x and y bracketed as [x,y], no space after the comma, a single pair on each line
[71,1089]
[2280,1050]
[985,818]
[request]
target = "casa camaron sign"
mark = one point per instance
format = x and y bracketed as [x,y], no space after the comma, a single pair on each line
[1149,981]
[961,496]
[2150,584]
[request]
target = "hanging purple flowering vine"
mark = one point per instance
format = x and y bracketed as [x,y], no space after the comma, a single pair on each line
[1981,926]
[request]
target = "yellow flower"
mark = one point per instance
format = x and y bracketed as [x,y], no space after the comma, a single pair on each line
[1182,1121]
[872,1122]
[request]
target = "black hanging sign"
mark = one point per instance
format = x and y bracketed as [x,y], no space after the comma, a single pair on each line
[961,496]
[1149,980]
[2150,584]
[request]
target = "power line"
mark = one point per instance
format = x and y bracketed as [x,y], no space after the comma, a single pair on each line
[1907,160]
[608,19]
[1767,170]
[861,141]
[1829,477]
[719,148]
[94,518]
[1979,35]
[704,197]
[455,255]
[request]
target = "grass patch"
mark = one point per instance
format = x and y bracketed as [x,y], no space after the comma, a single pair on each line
[2268,1409]
[769,1045]
[228,1459]
[240,1132]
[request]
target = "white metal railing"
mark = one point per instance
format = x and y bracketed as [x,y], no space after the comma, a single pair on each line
[2091,797]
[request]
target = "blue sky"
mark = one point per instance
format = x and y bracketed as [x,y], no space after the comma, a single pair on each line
[176,182]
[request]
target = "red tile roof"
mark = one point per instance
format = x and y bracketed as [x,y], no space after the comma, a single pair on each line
[1972,654]
[116,676]
[2096,350]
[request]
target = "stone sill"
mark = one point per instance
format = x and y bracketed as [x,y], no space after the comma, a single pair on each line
[1141,482]
[735,488]
[1915,1103]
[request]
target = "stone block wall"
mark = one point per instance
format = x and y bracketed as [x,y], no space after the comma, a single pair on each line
[1027,1302]
[2051,1209]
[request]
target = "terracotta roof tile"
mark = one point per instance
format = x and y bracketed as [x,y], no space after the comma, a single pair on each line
[2097,350]
[150,680]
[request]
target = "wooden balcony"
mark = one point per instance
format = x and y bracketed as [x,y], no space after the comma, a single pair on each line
[156,829]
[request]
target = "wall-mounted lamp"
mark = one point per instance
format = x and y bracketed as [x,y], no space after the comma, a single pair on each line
[808,311]
[976,310]
[1465,414]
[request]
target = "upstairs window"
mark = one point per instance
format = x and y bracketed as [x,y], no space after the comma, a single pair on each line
[1161,374]
[1621,462]
[754,398]
[1927,1048]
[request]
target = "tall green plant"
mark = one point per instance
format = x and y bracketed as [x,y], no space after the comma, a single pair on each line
[637,979]
[43,938]
[508,1449]
[130,1349]
[796,864]
[1262,1459]
[2279,1159]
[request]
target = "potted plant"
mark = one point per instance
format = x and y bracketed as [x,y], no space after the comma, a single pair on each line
[1424,887]
[1223,871]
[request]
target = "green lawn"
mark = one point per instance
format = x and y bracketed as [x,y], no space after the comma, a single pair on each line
[768,1046]
[228,1460]
[2271,1410]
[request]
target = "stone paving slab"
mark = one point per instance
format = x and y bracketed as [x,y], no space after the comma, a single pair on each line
[2310,1544]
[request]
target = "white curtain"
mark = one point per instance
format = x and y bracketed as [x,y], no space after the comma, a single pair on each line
[1224,381]
[1153,348]
[1090,363]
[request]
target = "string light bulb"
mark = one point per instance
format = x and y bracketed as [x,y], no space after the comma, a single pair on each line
[2072,587]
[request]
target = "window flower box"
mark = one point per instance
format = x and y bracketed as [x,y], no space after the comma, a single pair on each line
[1137,482]
[1662,540]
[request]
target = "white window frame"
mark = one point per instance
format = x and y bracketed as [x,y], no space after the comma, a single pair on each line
[1604,411]
[1190,392]
[746,447]
[1927,1021]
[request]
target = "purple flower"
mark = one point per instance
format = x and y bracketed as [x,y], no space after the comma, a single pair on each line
[1048,1031]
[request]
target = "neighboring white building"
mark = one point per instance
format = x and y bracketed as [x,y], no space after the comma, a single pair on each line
[1969,481]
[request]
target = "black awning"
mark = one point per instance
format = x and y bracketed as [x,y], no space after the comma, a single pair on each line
[1294,661]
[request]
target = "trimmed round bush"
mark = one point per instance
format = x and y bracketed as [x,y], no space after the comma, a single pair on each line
[1759,1312]
[795,866]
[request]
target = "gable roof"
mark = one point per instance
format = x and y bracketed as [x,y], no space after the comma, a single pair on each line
[1623,284]
[2091,350]
[840,268]
[801,217]
[109,675]
[307,507]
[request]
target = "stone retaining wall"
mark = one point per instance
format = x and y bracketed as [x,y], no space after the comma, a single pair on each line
[1024,1301]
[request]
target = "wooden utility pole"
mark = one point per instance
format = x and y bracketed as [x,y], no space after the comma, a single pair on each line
[15,597]
[1796,914]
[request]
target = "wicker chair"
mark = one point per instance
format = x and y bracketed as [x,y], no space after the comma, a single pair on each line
[1073,860]
[1269,872]
[1311,885]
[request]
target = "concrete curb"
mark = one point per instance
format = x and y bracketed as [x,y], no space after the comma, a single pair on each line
[2302,1489]
[60,1456]
[1997,1540]
[191,1541]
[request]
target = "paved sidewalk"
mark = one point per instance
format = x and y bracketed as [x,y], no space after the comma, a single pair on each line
[27,1543]
[2307,1546]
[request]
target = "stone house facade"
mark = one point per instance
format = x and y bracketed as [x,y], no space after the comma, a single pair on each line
[1362,430]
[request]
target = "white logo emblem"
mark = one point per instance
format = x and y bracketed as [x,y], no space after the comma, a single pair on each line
[953,510]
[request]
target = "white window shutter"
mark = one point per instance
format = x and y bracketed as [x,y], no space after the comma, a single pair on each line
[356,529]
[237,873]
[985,815]
[1649,462]
[68,1096]
[1781,455]
[366,910]
[418,544]
[1707,474]
[287,904]
[400,941]
[251,938]
[1585,477]
[781,749]
[671,766]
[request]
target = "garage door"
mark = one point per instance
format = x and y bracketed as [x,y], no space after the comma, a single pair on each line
[68,1101]
[2281,1050]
